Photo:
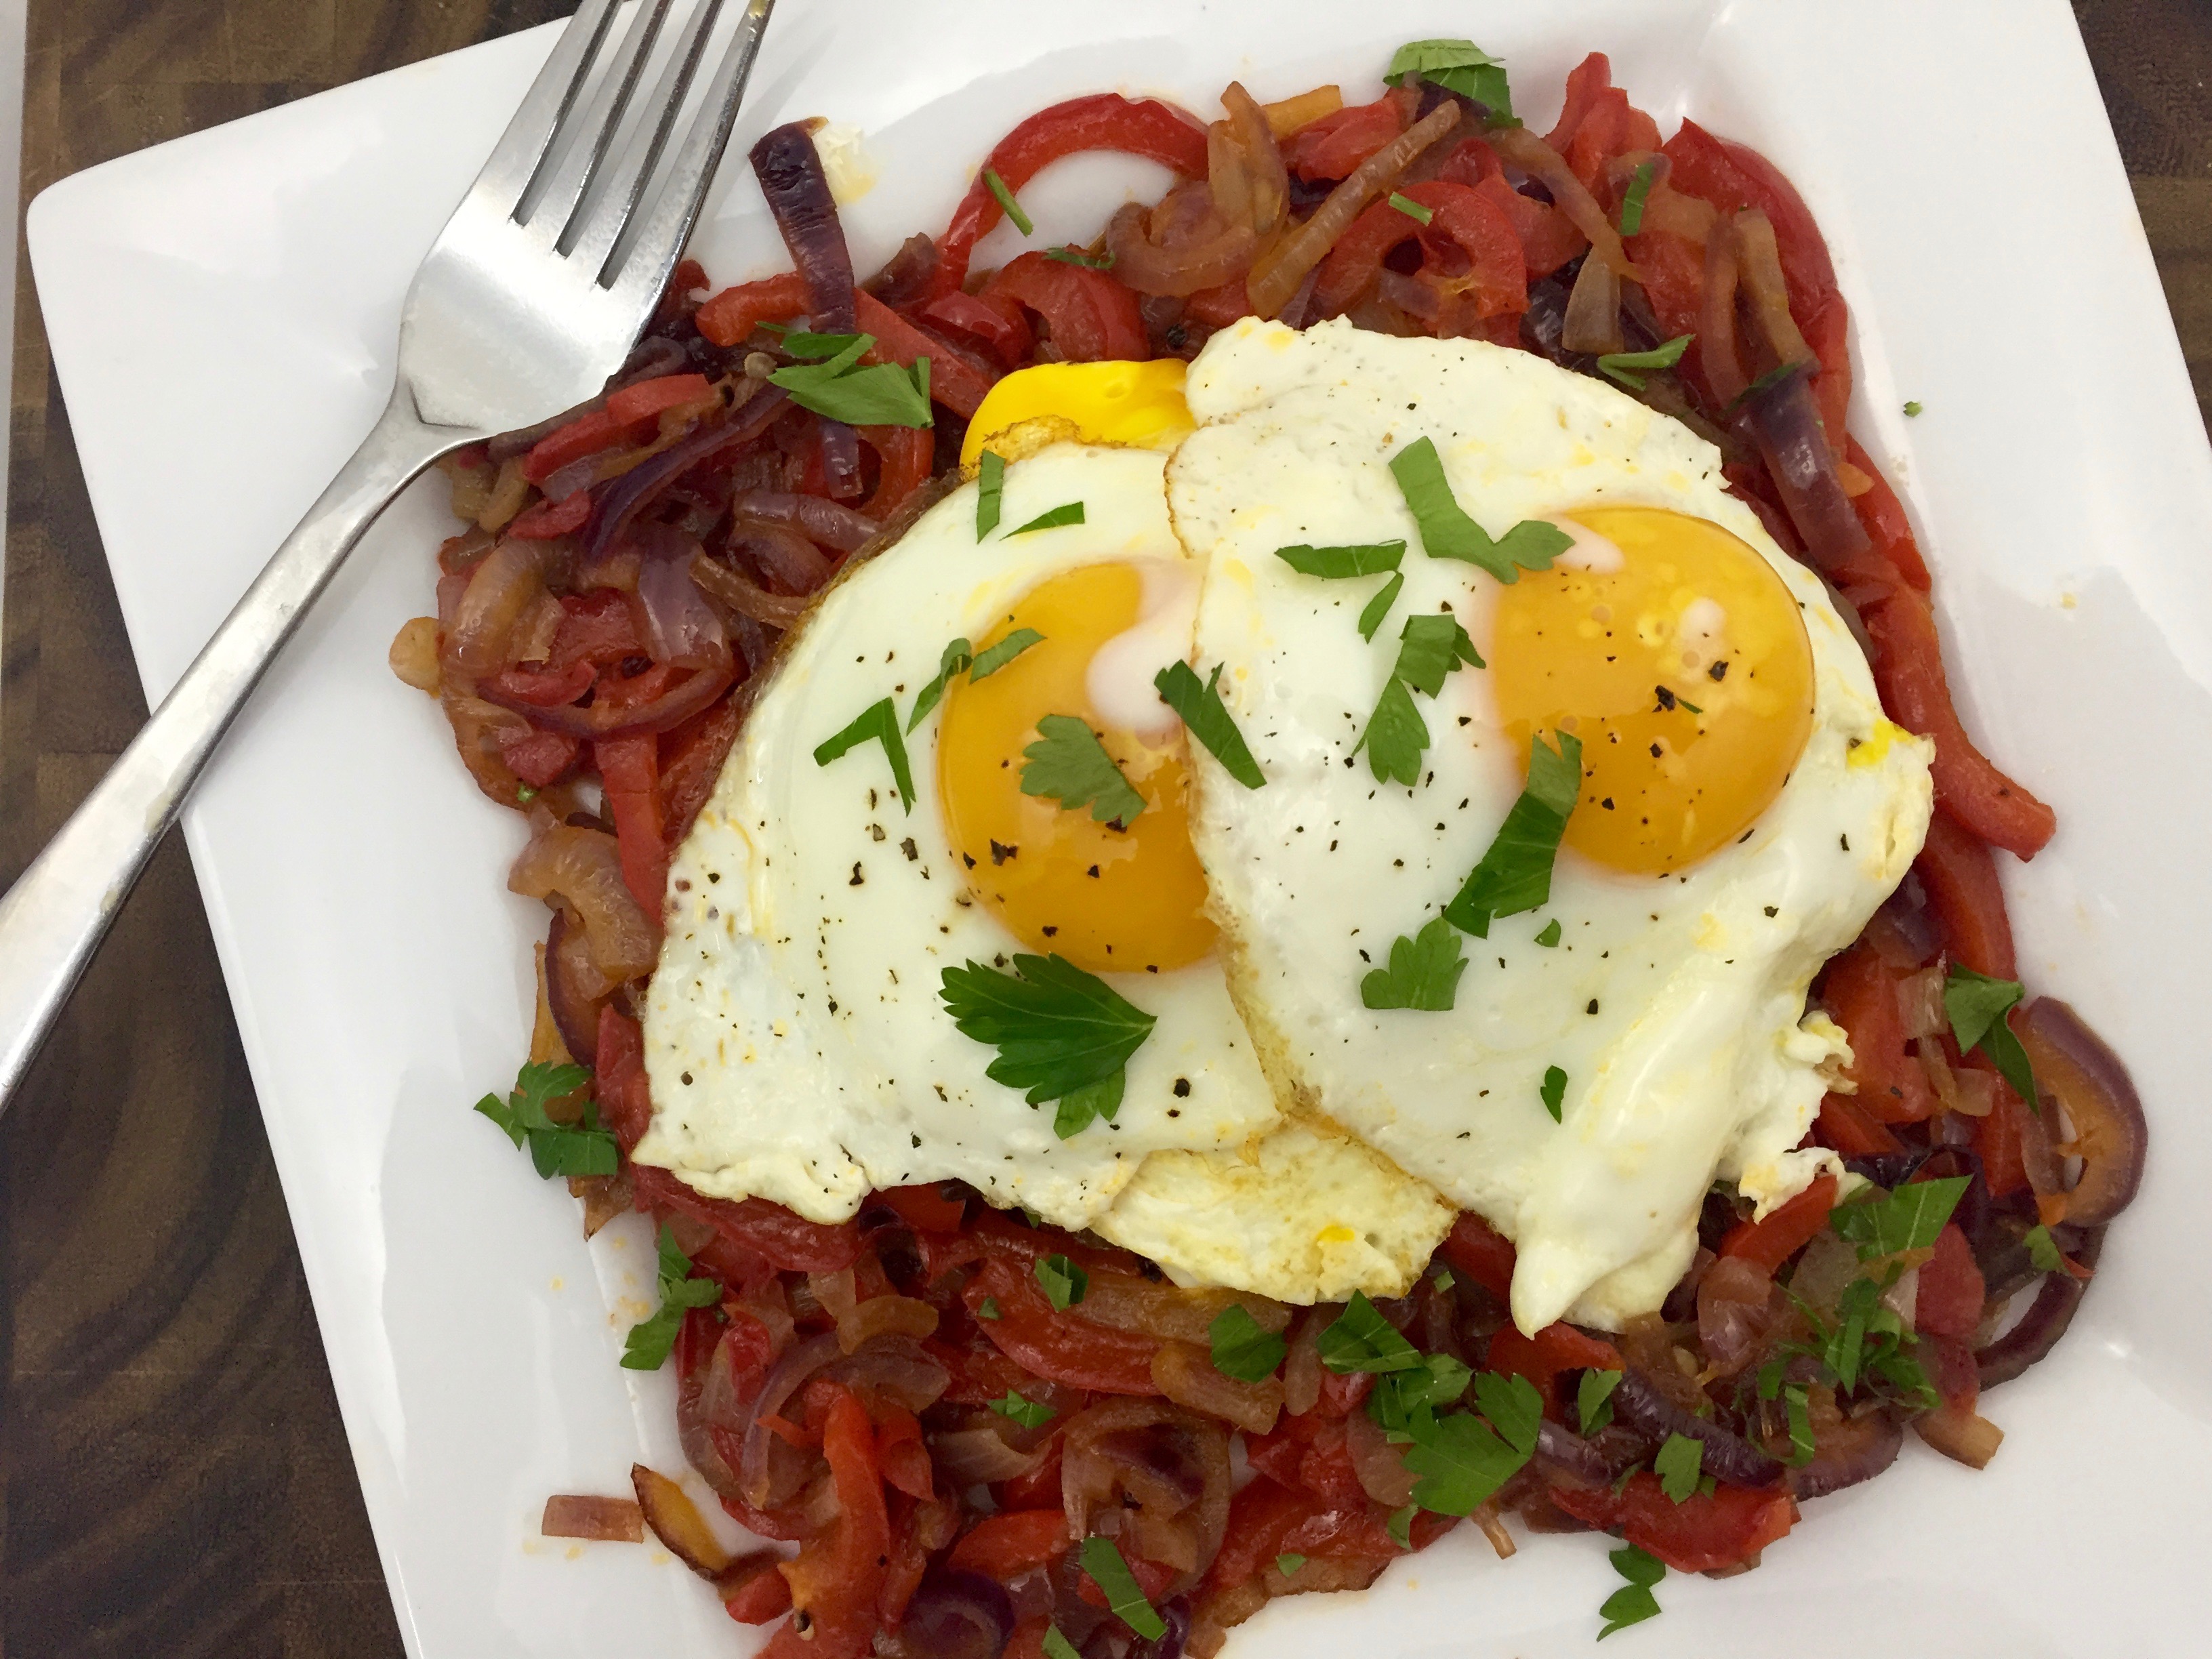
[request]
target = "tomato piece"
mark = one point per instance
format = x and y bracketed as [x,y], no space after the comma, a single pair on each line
[629,767]
[925,1209]
[760,1600]
[955,379]
[900,1455]
[905,454]
[997,324]
[1959,876]
[1557,1347]
[1702,1534]
[1908,669]
[1478,1250]
[1951,1289]
[978,1371]
[1218,307]
[691,756]
[1462,218]
[550,519]
[1145,127]
[619,1086]
[1093,318]
[1598,123]
[839,1572]
[1040,1487]
[545,688]
[787,1241]
[1260,1516]
[1843,1128]
[1997,1141]
[1333,146]
[734,313]
[1786,1228]
[1009,1544]
[1860,991]
[1327,1470]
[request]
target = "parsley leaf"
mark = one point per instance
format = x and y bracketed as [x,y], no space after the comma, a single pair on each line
[1554,1092]
[992,658]
[1447,532]
[1023,1410]
[1549,938]
[1205,718]
[1593,1398]
[1907,1219]
[1241,1348]
[1637,1565]
[1124,1596]
[1459,66]
[1514,1407]
[1411,209]
[876,723]
[1620,365]
[1065,1284]
[1632,203]
[1461,1462]
[1060,1032]
[1057,1646]
[1977,1006]
[955,658]
[987,1308]
[1432,645]
[1633,1602]
[1289,1562]
[2042,1248]
[1076,256]
[1914,407]
[1516,873]
[1361,1340]
[1379,606]
[1400,1525]
[997,186]
[1398,1396]
[1678,1464]
[1395,736]
[1069,764]
[1338,563]
[649,1340]
[1052,519]
[990,491]
[1424,971]
[814,348]
[582,1148]
[880,394]
[1800,1413]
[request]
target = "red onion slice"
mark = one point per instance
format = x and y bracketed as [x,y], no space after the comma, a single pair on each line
[2111,1135]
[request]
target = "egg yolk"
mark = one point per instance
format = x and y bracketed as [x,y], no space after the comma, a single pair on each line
[1684,669]
[1119,901]
[1138,406]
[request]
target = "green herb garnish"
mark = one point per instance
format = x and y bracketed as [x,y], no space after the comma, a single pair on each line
[1800,1413]
[1052,519]
[1361,1340]
[1432,645]
[1411,209]
[1397,736]
[1553,1093]
[1065,1284]
[1436,1382]
[2042,1249]
[1907,1219]
[1461,1461]
[1914,407]
[1241,1348]
[1061,1033]
[1679,1462]
[987,1308]
[582,1148]
[1338,563]
[1516,873]
[1124,1596]
[990,491]
[649,1340]
[1447,532]
[1026,1412]
[959,656]
[878,394]
[992,658]
[1068,763]
[997,186]
[1205,718]
[1057,1646]
[1076,256]
[1632,203]
[1379,607]
[1622,364]
[1514,1407]
[1977,1006]
[1424,971]
[1458,66]
[876,723]
[1289,1562]
[1549,938]
[1400,1525]
[1633,1602]
[1593,1398]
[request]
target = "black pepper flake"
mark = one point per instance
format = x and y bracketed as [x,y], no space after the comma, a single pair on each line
[1657,752]
[1666,699]
[714,875]
[1000,851]
[908,847]
[1846,841]
[1606,803]
[687,1080]
[1771,911]
[1092,872]
[1593,1006]
[1183,1088]
[965,859]
[859,880]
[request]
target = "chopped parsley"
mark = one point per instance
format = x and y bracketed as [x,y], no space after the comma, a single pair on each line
[649,1340]
[1432,645]
[1411,209]
[1553,1092]
[876,723]
[2042,1249]
[1977,1006]
[1593,1398]
[990,491]
[1068,763]
[1057,1646]
[1061,1033]
[1361,1340]
[1622,364]
[992,658]
[582,1148]
[1337,563]
[1549,938]
[1914,407]
[1124,1596]
[1462,1459]
[839,386]
[1795,1406]
[987,1308]
[1679,1461]
[1395,737]
[1400,1525]
[1026,1412]
[1289,1562]
[1200,707]
[1379,606]
[1907,1219]
[1458,66]
[1424,971]
[1241,1348]
[1632,203]
[960,657]
[1065,1284]
[1436,1382]
[1052,519]
[1633,1602]
[1516,873]
[1076,256]
[997,186]
[1514,1407]
[1447,532]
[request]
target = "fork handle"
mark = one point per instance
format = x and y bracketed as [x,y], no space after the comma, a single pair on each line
[56,914]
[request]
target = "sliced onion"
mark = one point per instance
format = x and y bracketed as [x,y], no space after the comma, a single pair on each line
[1782,418]
[746,597]
[1920,1003]
[757,1482]
[1302,1365]
[782,554]
[503,589]
[2044,1322]
[980,1457]
[2109,1133]
[1155,1469]
[954,1615]
[680,627]
[676,1523]
[1960,1434]
[1380,1466]
[1847,1452]
[910,273]
[818,520]
[575,988]
[1592,324]
[1728,1456]
[1185,1373]
[1762,263]
[1734,1301]
[797,190]
[1569,1453]
[1529,153]
[1266,178]
[1153,267]
[895,1368]
[583,869]
[1130,1304]
[606,1520]
[622,501]
[884,1316]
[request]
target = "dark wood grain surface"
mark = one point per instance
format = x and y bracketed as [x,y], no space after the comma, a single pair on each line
[174,1479]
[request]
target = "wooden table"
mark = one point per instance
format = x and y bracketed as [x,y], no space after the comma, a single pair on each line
[174,1479]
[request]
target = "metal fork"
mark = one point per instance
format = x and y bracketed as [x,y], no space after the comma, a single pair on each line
[530,300]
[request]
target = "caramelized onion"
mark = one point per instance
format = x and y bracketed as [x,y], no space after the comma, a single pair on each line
[1380,1466]
[1302,1365]
[680,627]
[746,597]
[2044,1322]
[796,190]
[1592,324]
[1207,259]
[1129,1303]
[765,1479]
[1961,1434]
[1847,1452]
[979,1457]
[1185,1373]
[505,586]
[1729,1456]
[954,1615]
[575,988]
[895,1368]
[583,869]
[884,1316]
[2110,1134]
[1155,1471]
[624,499]
[1784,421]
[1761,263]
[818,520]
[605,1520]
[1266,180]
[1735,1300]
[1525,150]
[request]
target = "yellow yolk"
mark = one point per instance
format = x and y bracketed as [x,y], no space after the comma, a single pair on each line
[1108,900]
[1138,406]
[1684,670]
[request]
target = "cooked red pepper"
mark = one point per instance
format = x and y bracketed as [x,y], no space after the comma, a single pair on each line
[1092,316]
[1997,1141]
[542,758]
[619,1087]
[735,313]
[1059,1346]
[1260,1516]
[904,455]
[550,519]
[1786,1228]
[691,757]
[1598,123]
[629,767]
[787,1242]
[1548,238]
[1704,1533]
[1860,990]
[1488,277]
[955,380]
[1886,526]
[763,1598]
[587,434]
[836,1581]
[925,1209]
[899,1451]
[1481,1251]
[1908,668]
[1959,876]
[1540,1359]
[1008,1545]
[1844,1128]
[1158,132]
[1333,146]
[644,400]
[1949,1299]
[997,325]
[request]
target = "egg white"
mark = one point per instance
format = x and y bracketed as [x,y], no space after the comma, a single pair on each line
[1676,1004]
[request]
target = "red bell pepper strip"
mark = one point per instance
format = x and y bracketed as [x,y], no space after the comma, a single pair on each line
[1092,316]
[955,379]
[1886,526]
[541,758]
[620,1086]
[1158,132]
[1058,1346]
[735,313]
[1478,1250]
[1997,1141]
[1335,145]
[550,519]
[1218,307]
[1540,1359]
[1843,1128]
[1908,669]
[644,400]
[1598,123]
[764,1597]
[1006,1546]
[838,1573]
[629,767]
[1260,1516]
[691,760]
[587,434]
[1461,216]
[1959,876]
[1860,991]
[787,1241]
[925,1209]
[1785,1230]
[996,325]
[903,454]
[1949,1300]
[900,1454]
[1702,1534]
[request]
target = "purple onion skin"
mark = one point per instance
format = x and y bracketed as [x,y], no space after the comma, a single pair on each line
[576,1016]
[909,273]
[1729,1456]
[2044,1322]
[797,191]
[1570,1452]
[1169,1645]
[1784,422]
[634,491]
[840,461]
[681,627]
[2110,1118]
[1826,1475]
[958,1615]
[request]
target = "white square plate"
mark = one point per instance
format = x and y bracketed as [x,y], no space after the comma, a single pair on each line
[223,312]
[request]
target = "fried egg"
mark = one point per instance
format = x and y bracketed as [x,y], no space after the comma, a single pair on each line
[1744,806]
